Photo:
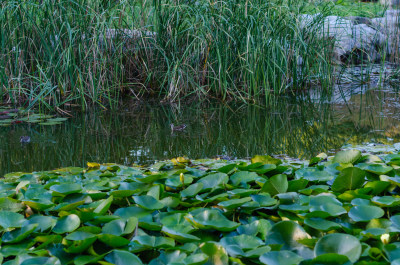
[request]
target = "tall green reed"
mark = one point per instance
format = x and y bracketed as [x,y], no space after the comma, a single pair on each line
[58,52]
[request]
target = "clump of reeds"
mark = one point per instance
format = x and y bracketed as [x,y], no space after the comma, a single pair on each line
[93,51]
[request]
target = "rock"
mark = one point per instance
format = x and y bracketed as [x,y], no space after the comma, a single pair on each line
[390,3]
[357,39]
[367,42]
[340,30]
[128,36]
[390,26]
[360,20]
[393,12]
[307,21]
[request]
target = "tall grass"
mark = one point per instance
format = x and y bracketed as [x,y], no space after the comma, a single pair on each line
[60,52]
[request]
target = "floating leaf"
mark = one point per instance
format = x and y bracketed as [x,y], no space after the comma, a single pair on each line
[211,219]
[350,178]
[266,160]
[67,224]
[120,226]
[122,257]
[341,244]
[148,202]
[283,257]
[65,189]
[314,174]
[275,185]
[213,181]
[243,177]
[365,213]
[347,156]
[321,224]
[11,219]
[18,235]
[287,233]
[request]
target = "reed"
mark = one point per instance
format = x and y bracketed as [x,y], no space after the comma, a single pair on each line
[60,52]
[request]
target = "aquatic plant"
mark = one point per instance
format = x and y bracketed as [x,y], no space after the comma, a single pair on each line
[57,52]
[10,116]
[336,210]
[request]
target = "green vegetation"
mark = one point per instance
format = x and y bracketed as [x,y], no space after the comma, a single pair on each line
[345,8]
[10,116]
[59,52]
[340,210]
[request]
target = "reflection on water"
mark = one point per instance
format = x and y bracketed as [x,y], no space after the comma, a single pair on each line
[142,134]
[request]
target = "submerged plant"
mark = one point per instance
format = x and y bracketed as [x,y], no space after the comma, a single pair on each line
[339,210]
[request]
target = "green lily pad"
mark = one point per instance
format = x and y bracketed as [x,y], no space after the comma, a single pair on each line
[65,189]
[287,234]
[103,207]
[18,235]
[113,241]
[214,181]
[243,177]
[350,178]
[386,201]
[180,234]
[347,156]
[211,219]
[148,202]
[379,169]
[192,190]
[237,245]
[266,159]
[67,224]
[283,257]
[321,224]
[325,206]
[314,174]
[341,244]
[365,213]
[120,226]
[11,219]
[44,222]
[42,261]
[234,203]
[122,257]
[275,185]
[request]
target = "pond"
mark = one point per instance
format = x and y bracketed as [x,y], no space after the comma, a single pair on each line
[140,133]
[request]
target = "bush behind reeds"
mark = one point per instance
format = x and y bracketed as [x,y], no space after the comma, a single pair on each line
[92,51]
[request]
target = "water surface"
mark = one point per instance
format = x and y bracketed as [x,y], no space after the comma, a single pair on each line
[141,133]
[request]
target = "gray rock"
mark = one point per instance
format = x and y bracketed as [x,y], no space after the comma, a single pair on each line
[340,30]
[391,3]
[368,43]
[389,25]
[360,20]
[393,12]
[357,38]
[127,36]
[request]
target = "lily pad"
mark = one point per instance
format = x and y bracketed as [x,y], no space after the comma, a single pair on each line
[283,257]
[347,156]
[211,219]
[365,213]
[67,224]
[341,244]
[122,257]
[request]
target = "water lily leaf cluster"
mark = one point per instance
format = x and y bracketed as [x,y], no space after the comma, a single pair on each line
[10,116]
[329,210]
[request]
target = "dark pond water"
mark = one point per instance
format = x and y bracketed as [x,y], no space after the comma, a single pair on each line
[142,134]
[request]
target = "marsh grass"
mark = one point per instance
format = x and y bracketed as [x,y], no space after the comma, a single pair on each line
[60,52]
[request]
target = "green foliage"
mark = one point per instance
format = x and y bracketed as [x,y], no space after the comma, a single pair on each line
[346,8]
[247,215]
[86,51]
